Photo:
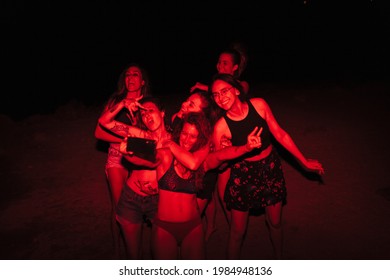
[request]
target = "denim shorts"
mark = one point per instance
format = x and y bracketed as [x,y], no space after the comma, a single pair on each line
[135,208]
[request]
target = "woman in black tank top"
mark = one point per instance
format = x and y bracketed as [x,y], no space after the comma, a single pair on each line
[256,180]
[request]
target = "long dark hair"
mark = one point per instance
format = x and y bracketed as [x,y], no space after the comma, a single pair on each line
[121,91]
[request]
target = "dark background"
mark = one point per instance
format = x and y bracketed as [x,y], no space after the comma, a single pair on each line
[321,67]
[53,52]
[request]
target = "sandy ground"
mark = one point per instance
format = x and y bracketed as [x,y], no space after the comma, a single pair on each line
[55,201]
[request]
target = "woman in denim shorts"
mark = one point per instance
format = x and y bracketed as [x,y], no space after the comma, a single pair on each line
[139,197]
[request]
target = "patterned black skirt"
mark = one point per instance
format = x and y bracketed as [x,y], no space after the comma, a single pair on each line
[256,184]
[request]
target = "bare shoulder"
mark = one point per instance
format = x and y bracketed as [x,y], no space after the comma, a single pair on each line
[164,154]
[258,101]
[261,106]
[220,124]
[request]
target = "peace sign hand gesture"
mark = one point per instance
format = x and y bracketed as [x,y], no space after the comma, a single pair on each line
[253,139]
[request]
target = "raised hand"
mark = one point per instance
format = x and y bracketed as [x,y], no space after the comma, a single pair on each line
[146,187]
[253,139]
[199,86]
[133,105]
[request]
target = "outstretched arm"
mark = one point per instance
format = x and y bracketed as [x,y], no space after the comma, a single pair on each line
[118,129]
[130,157]
[190,160]
[284,138]
[216,158]
[102,133]
[107,135]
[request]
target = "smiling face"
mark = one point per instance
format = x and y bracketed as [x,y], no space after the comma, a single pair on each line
[225,64]
[188,136]
[152,117]
[224,94]
[192,104]
[133,79]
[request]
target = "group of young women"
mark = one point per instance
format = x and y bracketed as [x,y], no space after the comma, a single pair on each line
[217,137]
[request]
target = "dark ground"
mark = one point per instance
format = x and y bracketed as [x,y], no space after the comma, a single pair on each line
[55,202]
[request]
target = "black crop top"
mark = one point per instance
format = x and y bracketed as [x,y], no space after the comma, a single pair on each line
[241,129]
[170,181]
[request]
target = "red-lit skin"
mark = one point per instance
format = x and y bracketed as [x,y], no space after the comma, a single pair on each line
[182,207]
[192,104]
[225,65]
[177,207]
[238,110]
[196,104]
[117,174]
[134,83]
[188,136]
[153,119]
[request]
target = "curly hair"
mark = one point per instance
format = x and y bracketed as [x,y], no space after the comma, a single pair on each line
[202,125]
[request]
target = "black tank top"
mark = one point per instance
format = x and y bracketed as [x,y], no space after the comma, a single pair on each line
[123,116]
[241,129]
[170,181]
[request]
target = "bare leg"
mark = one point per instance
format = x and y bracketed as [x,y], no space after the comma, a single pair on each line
[238,226]
[116,179]
[210,215]
[164,245]
[132,234]
[273,220]
[193,247]
[221,186]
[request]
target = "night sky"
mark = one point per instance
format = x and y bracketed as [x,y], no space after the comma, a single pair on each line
[54,52]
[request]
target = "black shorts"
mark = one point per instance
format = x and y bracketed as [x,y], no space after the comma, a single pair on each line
[208,184]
